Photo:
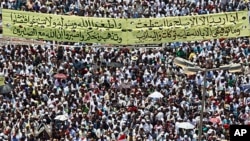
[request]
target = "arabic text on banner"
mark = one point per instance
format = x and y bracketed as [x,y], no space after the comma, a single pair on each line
[124,31]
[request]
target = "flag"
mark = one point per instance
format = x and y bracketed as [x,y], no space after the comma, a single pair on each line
[122,138]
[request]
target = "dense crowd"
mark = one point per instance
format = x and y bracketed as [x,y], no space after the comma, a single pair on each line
[105,94]
[127,8]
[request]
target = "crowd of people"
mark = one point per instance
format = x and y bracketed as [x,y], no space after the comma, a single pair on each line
[127,8]
[102,94]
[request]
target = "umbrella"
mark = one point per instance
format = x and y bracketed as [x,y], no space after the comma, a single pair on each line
[125,85]
[122,137]
[247,122]
[132,109]
[61,117]
[5,89]
[185,125]
[245,87]
[214,120]
[134,58]
[247,90]
[156,95]
[60,76]
[43,9]
[115,64]
[95,66]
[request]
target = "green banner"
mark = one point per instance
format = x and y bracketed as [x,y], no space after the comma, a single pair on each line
[124,31]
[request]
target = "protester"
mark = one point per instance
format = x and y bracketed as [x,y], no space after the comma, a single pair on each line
[103,100]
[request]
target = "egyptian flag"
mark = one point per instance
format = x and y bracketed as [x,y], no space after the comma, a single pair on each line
[122,137]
